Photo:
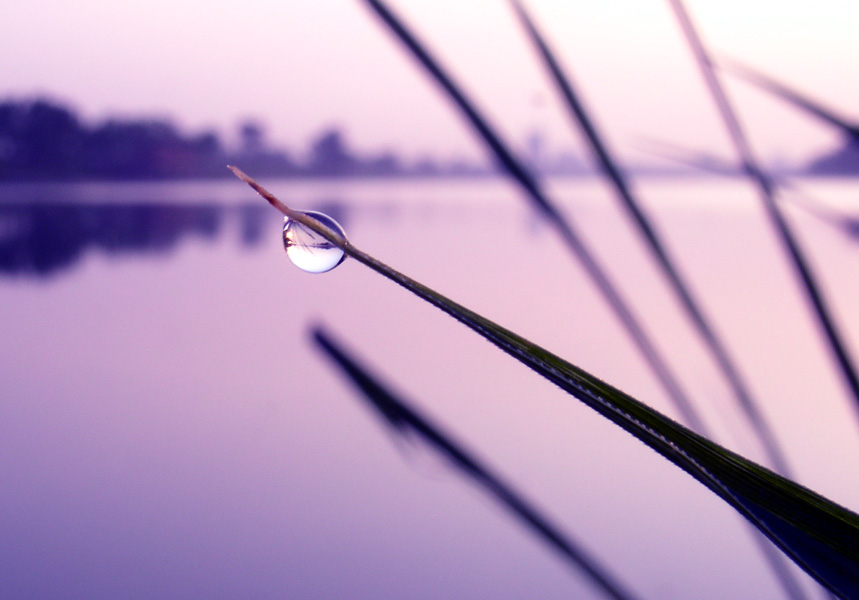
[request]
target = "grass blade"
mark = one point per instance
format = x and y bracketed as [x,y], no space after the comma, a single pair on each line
[847,225]
[700,161]
[792,96]
[682,291]
[706,331]
[405,419]
[572,239]
[767,194]
[819,535]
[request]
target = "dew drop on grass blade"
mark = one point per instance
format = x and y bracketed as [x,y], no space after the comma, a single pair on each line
[307,249]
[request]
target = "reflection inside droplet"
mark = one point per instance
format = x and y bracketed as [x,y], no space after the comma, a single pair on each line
[308,250]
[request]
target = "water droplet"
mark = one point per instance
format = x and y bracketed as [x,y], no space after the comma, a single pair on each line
[308,250]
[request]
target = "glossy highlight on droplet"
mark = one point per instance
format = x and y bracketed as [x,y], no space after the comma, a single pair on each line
[308,250]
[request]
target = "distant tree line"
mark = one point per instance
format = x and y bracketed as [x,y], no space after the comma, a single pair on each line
[44,140]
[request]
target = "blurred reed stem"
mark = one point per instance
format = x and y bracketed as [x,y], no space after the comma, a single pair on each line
[850,129]
[766,191]
[682,290]
[521,175]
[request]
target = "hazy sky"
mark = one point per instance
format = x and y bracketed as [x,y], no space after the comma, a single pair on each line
[301,65]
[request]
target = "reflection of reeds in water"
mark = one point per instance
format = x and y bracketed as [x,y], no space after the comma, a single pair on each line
[818,535]
[406,420]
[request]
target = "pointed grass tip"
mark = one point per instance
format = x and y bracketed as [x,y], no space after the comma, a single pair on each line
[261,190]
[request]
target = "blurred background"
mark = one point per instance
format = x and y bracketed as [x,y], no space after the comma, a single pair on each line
[168,430]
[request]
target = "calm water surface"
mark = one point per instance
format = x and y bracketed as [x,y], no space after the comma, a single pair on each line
[168,431]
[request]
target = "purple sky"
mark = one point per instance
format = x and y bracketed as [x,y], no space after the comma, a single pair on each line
[300,66]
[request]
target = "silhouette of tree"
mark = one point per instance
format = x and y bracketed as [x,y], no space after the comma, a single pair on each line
[39,138]
[329,155]
[43,140]
[253,137]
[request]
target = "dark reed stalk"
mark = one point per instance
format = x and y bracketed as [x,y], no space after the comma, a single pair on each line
[682,290]
[851,129]
[700,161]
[573,240]
[712,340]
[846,224]
[405,419]
[819,535]
[767,194]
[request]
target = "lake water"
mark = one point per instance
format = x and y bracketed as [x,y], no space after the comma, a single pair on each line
[167,429]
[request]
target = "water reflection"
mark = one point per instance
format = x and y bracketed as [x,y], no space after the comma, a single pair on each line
[45,238]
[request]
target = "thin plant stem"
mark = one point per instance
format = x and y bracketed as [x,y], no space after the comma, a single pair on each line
[851,129]
[819,535]
[847,224]
[514,167]
[766,190]
[682,290]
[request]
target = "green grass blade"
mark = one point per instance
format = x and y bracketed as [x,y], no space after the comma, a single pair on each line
[766,188]
[819,535]
[406,419]
[575,243]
